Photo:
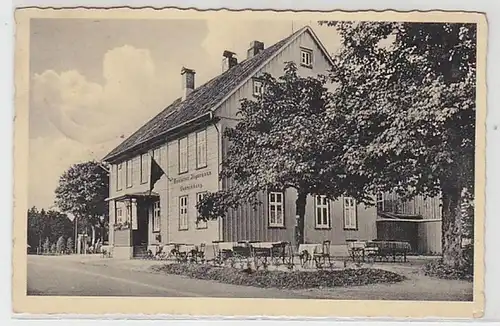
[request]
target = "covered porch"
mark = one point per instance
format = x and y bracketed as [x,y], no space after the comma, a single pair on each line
[132,223]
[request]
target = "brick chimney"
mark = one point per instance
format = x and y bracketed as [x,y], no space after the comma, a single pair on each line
[255,48]
[229,60]
[187,81]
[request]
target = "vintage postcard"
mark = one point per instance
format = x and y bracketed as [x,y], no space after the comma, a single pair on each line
[249,163]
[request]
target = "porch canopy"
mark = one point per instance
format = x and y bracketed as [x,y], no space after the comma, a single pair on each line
[135,195]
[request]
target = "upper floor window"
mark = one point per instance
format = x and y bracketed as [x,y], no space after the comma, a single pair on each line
[157,155]
[201,149]
[119,176]
[183,155]
[144,167]
[322,212]
[350,214]
[306,57]
[129,173]
[276,215]
[257,87]
[201,224]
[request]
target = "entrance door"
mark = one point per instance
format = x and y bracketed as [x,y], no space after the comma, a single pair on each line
[140,236]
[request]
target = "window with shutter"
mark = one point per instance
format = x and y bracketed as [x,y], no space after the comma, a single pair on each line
[201,224]
[183,155]
[201,149]
[183,213]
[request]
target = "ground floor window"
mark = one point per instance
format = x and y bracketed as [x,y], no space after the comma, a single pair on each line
[276,216]
[201,224]
[350,214]
[156,216]
[183,213]
[119,215]
[322,212]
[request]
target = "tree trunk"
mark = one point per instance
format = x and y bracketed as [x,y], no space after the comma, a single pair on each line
[451,227]
[92,227]
[300,206]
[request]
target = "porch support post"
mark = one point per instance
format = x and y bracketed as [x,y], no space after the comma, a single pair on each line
[133,212]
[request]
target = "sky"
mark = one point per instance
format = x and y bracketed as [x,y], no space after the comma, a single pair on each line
[94,82]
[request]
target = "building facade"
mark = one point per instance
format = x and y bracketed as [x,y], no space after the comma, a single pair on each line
[185,140]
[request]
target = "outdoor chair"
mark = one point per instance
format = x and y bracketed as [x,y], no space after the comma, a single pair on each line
[323,257]
[241,254]
[221,255]
[356,250]
[198,253]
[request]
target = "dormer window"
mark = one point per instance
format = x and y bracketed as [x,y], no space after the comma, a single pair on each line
[306,56]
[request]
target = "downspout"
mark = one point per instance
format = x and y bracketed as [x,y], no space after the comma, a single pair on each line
[219,141]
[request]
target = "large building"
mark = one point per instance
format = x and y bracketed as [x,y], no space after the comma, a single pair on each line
[185,143]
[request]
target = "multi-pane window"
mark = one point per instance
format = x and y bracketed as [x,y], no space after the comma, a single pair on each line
[183,155]
[201,224]
[350,214]
[144,168]
[322,212]
[129,173]
[156,216]
[119,177]
[380,202]
[276,216]
[201,149]
[306,57]
[119,216]
[257,87]
[183,213]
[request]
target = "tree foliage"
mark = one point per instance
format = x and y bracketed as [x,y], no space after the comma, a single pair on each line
[70,245]
[283,140]
[47,225]
[82,191]
[60,245]
[406,92]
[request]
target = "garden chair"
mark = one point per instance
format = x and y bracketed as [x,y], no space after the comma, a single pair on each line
[322,257]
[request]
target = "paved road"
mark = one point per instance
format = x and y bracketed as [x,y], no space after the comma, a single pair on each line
[91,276]
[59,276]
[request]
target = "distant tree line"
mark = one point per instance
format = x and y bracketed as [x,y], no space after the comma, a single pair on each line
[49,231]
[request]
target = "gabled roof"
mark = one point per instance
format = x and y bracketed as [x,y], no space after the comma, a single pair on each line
[203,99]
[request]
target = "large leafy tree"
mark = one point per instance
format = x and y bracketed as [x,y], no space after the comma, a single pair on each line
[82,191]
[406,92]
[283,140]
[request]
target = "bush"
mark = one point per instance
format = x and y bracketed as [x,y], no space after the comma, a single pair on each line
[283,279]
[61,244]
[53,248]
[46,246]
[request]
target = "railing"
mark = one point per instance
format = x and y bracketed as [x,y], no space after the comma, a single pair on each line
[426,207]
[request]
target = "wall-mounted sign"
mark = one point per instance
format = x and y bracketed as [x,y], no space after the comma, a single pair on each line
[191,187]
[191,177]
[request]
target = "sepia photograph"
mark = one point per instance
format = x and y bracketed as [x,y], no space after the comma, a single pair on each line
[314,157]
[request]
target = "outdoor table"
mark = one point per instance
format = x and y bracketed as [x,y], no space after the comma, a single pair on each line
[391,248]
